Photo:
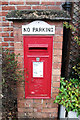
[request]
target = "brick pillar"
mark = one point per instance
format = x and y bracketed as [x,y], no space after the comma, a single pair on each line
[39,108]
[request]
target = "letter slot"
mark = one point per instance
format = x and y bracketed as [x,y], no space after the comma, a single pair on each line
[38,47]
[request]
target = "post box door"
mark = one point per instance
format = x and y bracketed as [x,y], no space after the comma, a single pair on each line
[38,66]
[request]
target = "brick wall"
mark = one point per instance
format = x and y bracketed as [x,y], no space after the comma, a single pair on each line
[7,27]
[39,108]
[13,40]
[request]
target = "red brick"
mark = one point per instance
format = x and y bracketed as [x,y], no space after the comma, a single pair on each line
[0,24]
[18,45]
[59,31]
[16,3]
[8,8]
[49,110]
[39,7]
[25,110]
[5,23]
[51,105]
[54,97]
[32,3]
[5,34]
[0,34]
[0,39]
[8,29]
[41,115]
[23,7]
[17,32]
[4,44]
[56,72]
[58,3]
[4,3]
[48,3]
[57,52]
[11,44]
[55,90]
[9,39]
[0,29]
[0,3]
[54,7]
[0,19]
[58,45]
[19,52]
[54,114]
[0,14]
[57,59]
[11,34]
[56,84]
[56,65]
[56,78]
[20,59]
[4,19]
[9,48]
[58,38]
[4,13]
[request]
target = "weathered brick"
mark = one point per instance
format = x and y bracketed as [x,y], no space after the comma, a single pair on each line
[4,13]
[57,59]
[11,34]
[48,3]
[56,84]
[9,39]
[57,52]
[53,7]
[8,8]
[21,94]
[32,3]
[3,18]
[8,29]
[49,109]
[0,39]
[56,78]
[39,7]
[18,45]
[55,90]
[4,3]
[56,65]
[23,7]
[5,34]
[59,31]
[19,52]
[11,44]
[56,71]
[5,24]
[16,3]
[58,45]
[58,3]
[54,96]
[54,114]
[20,59]
[4,44]
[58,38]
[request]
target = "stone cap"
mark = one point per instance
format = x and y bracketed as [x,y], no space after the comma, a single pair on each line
[38,15]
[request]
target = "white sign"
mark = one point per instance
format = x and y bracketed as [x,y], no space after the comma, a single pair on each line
[38,27]
[37,69]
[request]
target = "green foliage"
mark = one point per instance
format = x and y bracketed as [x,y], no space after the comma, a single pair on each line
[69,95]
[75,72]
[70,26]
[10,67]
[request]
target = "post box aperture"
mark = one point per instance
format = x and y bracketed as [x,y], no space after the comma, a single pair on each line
[38,66]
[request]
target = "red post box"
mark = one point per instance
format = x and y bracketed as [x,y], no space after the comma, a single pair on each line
[38,66]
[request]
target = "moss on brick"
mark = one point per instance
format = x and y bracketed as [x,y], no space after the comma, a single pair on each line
[38,14]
